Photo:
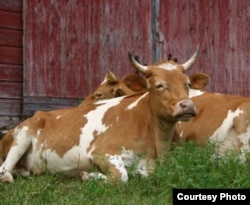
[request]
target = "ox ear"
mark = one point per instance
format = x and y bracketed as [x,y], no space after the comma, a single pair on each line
[188,64]
[119,92]
[135,82]
[199,80]
[111,77]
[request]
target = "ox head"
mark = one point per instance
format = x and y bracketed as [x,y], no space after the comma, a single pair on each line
[168,88]
[112,87]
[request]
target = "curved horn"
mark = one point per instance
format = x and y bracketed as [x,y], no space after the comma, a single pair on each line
[139,67]
[111,77]
[192,60]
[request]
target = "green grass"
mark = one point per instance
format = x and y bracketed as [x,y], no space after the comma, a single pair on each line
[188,166]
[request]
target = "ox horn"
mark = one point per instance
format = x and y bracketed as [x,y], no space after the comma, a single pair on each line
[136,65]
[111,77]
[192,60]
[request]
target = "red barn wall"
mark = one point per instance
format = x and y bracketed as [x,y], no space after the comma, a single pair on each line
[11,69]
[69,45]
[222,28]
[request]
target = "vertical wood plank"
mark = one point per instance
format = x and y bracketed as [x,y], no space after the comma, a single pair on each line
[11,69]
[69,45]
[222,30]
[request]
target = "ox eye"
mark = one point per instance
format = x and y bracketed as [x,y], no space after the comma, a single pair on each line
[160,86]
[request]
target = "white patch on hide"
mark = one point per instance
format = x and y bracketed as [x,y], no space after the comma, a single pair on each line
[194,93]
[76,158]
[117,161]
[127,159]
[220,134]
[96,116]
[134,104]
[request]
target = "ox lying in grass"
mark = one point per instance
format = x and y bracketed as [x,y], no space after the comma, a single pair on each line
[107,136]
[221,119]
[111,87]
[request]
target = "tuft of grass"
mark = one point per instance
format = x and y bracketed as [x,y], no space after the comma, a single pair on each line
[190,166]
[187,166]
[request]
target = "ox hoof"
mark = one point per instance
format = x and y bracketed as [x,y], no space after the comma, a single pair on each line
[7,177]
[22,172]
[85,176]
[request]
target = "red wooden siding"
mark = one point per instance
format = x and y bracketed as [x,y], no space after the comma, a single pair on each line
[222,28]
[69,45]
[11,70]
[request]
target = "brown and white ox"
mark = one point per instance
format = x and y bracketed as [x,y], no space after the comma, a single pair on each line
[106,136]
[111,87]
[222,119]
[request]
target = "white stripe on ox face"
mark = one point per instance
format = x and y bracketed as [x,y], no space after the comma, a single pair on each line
[168,66]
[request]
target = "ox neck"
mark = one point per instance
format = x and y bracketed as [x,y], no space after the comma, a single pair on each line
[165,133]
[159,132]
[163,130]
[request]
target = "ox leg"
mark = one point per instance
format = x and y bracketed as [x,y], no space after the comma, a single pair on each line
[111,165]
[85,176]
[17,150]
[245,145]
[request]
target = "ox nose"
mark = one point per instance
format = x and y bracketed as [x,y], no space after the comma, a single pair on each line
[186,104]
[185,110]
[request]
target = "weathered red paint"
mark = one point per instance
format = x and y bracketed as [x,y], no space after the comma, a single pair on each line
[11,60]
[69,45]
[222,30]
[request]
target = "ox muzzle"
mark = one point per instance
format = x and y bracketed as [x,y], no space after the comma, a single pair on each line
[185,110]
